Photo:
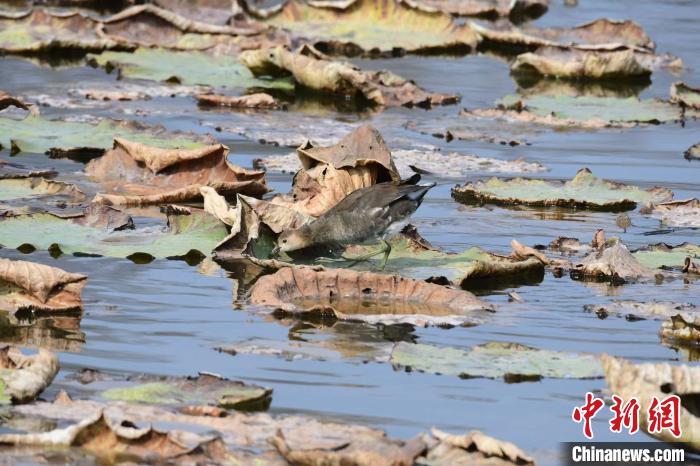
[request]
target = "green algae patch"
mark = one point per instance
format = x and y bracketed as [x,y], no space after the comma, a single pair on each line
[587,109]
[511,361]
[187,230]
[584,191]
[204,389]
[38,135]
[188,68]
[662,255]
[375,26]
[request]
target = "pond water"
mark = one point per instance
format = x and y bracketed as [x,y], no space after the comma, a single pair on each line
[167,317]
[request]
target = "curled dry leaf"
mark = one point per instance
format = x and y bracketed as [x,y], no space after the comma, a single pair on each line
[613,263]
[341,79]
[685,96]
[600,34]
[397,27]
[38,287]
[472,448]
[693,152]
[29,186]
[40,30]
[644,381]
[682,213]
[157,176]
[259,101]
[635,310]
[584,191]
[682,329]
[361,451]
[566,63]
[329,174]
[6,100]
[364,296]
[23,378]
[511,361]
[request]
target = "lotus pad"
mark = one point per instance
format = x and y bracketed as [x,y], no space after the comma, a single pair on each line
[493,360]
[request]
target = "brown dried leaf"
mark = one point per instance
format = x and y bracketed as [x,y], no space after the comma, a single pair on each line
[685,95]
[681,213]
[474,448]
[489,9]
[28,285]
[613,263]
[644,381]
[25,377]
[258,100]
[168,176]
[343,79]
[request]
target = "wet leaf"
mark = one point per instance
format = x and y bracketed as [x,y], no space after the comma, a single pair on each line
[60,138]
[684,95]
[682,213]
[613,263]
[364,296]
[258,100]
[188,229]
[553,62]
[635,310]
[188,68]
[205,388]
[314,71]
[693,152]
[644,381]
[662,255]
[489,9]
[512,361]
[361,451]
[600,34]
[40,30]
[28,286]
[472,448]
[365,25]
[23,378]
[6,100]
[138,174]
[584,191]
[37,187]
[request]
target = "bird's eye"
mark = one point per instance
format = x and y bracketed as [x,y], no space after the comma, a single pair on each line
[284,240]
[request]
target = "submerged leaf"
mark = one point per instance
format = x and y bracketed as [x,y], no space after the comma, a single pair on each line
[512,361]
[341,79]
[364,296]
[37,287]
[644,381]
[584,191]
[368,25]
[23,378]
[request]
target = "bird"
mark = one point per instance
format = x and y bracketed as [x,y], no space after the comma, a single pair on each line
[623,221]
[365,215]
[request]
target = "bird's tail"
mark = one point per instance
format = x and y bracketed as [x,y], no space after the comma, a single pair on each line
[420,192]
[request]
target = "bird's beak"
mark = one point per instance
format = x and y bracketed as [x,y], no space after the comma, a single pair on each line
[276,251]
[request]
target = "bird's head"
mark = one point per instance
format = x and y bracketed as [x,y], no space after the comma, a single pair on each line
[291,240]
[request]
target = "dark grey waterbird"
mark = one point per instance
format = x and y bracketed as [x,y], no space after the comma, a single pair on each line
[368,214]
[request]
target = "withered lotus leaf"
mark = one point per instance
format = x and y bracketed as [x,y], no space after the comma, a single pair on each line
[681,213]
[685,95]
[315,71]
[343,29]
[645,381]
[568,63]
[488,9]
[664,256]
[6,100]
[32,286]
[340,293]
[23,378]
[682,329]
[154,175]
[656,310]
[258,100]
[612,263]
[473,448]
[584,191]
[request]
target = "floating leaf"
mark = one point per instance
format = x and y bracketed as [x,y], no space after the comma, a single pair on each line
[613,263]
[584,191]
[317,72]
[36,187]
[489,9]
[258,100]
[512,361]
[472,448]
[685,95]
[662,255]
[38,135]
[684,213]
[366,25]
[364,296]
[188,229]
[23,378]
[189,68]
[635,310]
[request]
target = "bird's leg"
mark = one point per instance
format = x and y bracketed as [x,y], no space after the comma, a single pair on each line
[387,251]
